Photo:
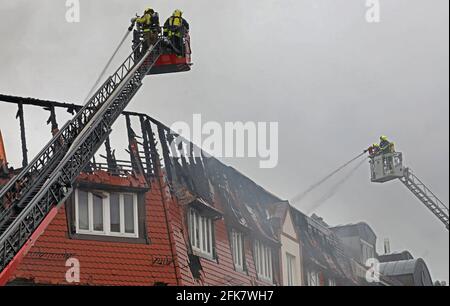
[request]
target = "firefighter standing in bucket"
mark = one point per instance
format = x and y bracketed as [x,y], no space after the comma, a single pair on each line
[374,150]
[149,24]
[386,146]
[175,28]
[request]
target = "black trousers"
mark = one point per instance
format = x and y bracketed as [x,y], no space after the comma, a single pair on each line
[178,43]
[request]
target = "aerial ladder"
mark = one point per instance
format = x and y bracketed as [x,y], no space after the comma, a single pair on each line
[30,200]
[389,166]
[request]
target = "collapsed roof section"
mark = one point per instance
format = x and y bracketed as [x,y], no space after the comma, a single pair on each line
[322,249]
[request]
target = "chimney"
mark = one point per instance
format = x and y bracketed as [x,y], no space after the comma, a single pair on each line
[387,246]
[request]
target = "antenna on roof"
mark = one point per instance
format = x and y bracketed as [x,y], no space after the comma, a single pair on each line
[387,246]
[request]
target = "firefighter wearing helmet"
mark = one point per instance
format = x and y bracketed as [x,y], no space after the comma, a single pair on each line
[175,28]
[149,25]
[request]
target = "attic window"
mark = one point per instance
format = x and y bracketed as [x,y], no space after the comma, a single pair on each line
[291,269]
[263,261]
[313,278]
[237,246]
[201,233]
[106,214]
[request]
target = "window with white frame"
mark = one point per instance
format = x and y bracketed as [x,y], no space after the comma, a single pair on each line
[106,214]
[313,278]
[263,261]
[201,232]
[291,269]
[237,245]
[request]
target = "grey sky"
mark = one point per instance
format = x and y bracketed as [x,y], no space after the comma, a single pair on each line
[333,82]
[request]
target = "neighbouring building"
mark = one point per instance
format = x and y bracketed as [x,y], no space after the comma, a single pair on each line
[323,257]
[360,245]
[404,268]
[290,252]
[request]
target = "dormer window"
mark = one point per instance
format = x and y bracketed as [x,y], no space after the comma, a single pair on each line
[201,233]
[106,214]
[263,261]
[237,247]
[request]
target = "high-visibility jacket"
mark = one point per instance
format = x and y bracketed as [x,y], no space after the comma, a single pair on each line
[149,22]
[374,150]
[387,147]
[174,26]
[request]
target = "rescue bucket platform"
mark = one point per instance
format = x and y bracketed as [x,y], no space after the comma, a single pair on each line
[386,167]
[171,63]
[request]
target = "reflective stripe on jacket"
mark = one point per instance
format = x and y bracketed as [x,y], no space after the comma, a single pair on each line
[173,26]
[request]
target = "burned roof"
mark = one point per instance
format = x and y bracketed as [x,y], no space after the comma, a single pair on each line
[243,201]
[360,229]
[396,256]
[322,249]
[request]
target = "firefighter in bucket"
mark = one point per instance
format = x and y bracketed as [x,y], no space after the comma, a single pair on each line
[176,29]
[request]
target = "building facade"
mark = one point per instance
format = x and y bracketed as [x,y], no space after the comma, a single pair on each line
[290,251]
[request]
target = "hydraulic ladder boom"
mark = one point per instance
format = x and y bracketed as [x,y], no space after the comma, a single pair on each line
[29,201]
[389,166]
[428,198]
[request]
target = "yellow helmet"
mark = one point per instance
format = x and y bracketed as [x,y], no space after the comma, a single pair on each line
[376,145]
[383,138]
[177,13]
[149,10]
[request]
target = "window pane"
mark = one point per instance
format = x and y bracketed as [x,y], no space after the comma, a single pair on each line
[269,251]
[194,228]
[241,249]
[208,236]
[98,213]
[115,212]
[83,211]
[290,268]
[264,261]
[235,249]
[204,235]
[237,245]
[258,259]
[258,251]
[128,205]
[191,226]
[197,230]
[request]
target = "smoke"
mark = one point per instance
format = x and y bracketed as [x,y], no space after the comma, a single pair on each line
[299,197]
[335,188]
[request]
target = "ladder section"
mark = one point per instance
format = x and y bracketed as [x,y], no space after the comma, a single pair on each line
[122,87]
[23,187]
[437,207]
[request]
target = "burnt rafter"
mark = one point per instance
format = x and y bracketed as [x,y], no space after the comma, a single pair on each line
[52,119]
[181,159]
[71,108]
